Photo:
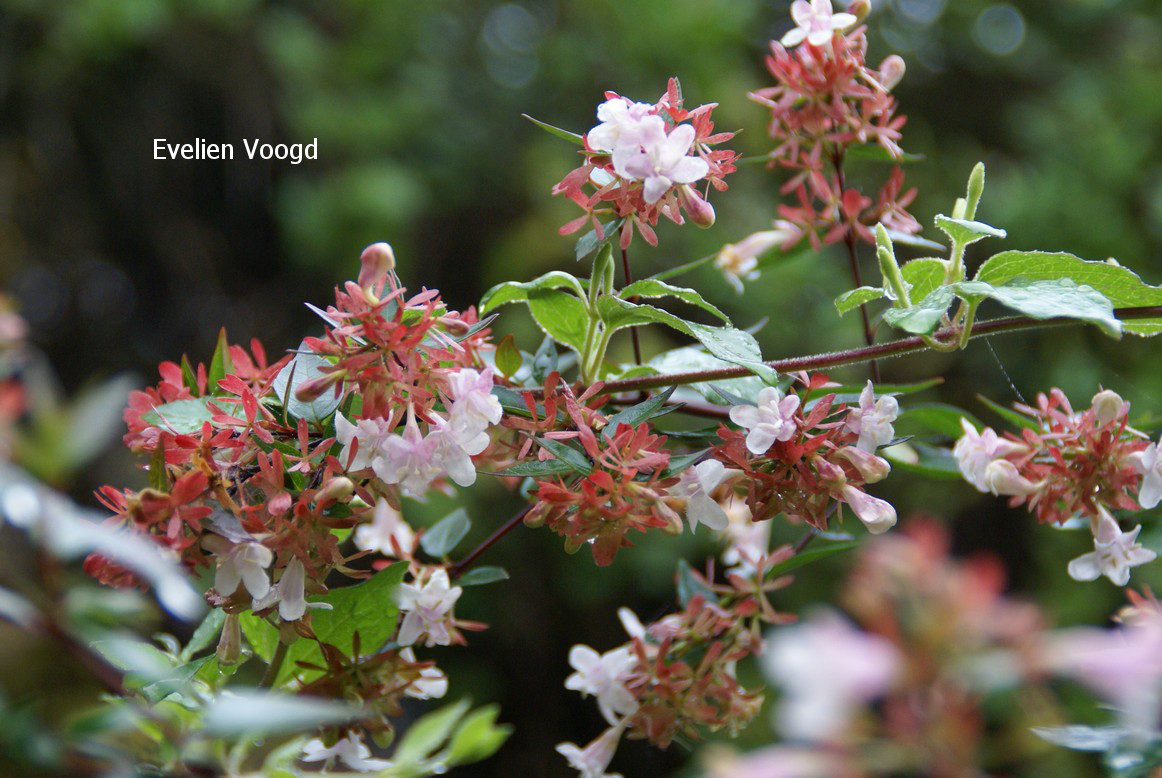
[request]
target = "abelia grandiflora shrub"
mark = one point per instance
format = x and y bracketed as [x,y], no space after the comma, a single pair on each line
[286,486]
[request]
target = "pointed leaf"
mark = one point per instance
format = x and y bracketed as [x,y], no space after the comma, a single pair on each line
[567,454]
[589,242]
[443,536]
[572,137]
[924,275]
[636,414]
[810,555]
[535,468]
[183,417]
[220,364]
[508,359]
[306,366]
[1049,299]
[478,576]
[965,232]
[514,292]
[923,318]
[853,298]
[651,287]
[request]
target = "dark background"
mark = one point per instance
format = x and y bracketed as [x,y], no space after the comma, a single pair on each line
[119,261]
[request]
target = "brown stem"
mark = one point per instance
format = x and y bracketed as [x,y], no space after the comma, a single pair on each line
[869,335]
[637,346]
[804,541]
[854,356]
[456,570]
[274,667]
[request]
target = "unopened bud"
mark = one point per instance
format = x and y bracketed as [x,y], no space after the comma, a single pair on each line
[699,211]
[876,514]
[337,489]
[376,261]
[230,643]
[313,389]
[871,468]
[1108,406]
[454,325]
[830,474]
[892,71]
[859,9]
[1003,479]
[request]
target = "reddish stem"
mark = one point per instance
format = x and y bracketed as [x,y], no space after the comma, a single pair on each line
[456,570]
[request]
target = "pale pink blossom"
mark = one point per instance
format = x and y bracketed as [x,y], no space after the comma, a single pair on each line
[739,261]
[876,514]
[827,669]
[371,434]
[1115,552]
[1107,406]
[474,408]
[350,751]
[772,418]
[1002,478]
[872,420]
[695,485]
[618,117]
[1149,464]
[432,683]
[748,542]
[410,460]
[593,760]
[974,451]
[387,534]
[661,161]
[428,609]
[816,23]
[604,676]
[871,468]
[240,563]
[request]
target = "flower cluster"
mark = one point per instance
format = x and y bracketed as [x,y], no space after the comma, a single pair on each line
[1066,464]
[802,459]
[825,104]
[643,161]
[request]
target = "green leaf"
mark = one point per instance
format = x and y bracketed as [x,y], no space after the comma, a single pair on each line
[636,414]
[305,367]
[536,468]
[262,637]
[189,377]
[367,607]
[680,463]
[924,317]
[561,316]
[249,712]
[914,241]
[183,417]
[733,345]
[966,232]
[443,536]
[651,287]
[1018,420]
[572,137]
[428,733]
[924,276]
[589,242]
[220,364]
[478,737]
[1049,299]
[690,586]
[205,635]
[874,152]
[934,418]
[567,454]
[516,292]
[1122,287]
[689,358]
[508,359]
[545,361]
[808,556]
[853,298]
[158,476]
[478,576]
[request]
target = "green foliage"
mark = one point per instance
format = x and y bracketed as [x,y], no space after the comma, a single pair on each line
[441,538]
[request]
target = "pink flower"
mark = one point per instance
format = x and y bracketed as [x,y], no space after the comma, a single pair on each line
[872,420]
[695,485]
[371,434]
[1149,464]
[827,670]
[739,261]
[387,533]
[772,418]
[428,610]
[410,460]
[974,451]
[1002,478]
[876,514]
[816,23]
[593,760]
[350,751]
[474,408]
[604,676]
[660,160]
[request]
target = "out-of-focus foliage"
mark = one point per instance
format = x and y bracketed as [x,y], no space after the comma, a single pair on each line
[119,260]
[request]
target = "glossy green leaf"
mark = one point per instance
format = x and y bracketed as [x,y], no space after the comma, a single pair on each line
[478,737]
[303,368]
[536,468]
[183,417]
[1122,287]
[589,242]
[561,316]
[516,292]
[809,555]
[853,298]
[965,231]
[220,364]
[636,414]
[205,635]
[567,454]
[443,536]
[924,317]
[1049,299]
[557,132]
[479,576]
[508,359]
[923,276]
[653,288]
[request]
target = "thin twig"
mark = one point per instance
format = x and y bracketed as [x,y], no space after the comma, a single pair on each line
[637,346]
[456,570]
[274,667]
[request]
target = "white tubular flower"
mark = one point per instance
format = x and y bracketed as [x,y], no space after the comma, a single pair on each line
[974,451]
[617,116]
[474,408]
[1107,406]
[432,683]
[771,418]
[661,161]
[739,261]
[877,515]
[1002,479]
[604,676]
[816,23]
[241,563]
[290,594]
[827,669]
[872,468]
[371,434]
[428,610]
[450,457]
[351,751]
[409,460]
[593,760]
[748,541]
[1115,552]
[872,420]
[695,486]
[387,533]
[1149,464]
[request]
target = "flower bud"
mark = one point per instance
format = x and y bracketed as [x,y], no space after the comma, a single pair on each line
[830,474]
[699,211]
[376,261]
[337,489]
[1108,406]
[892,71]
[1002,479]
[876,514]
[313,389]
[859,9]
[230,644]
[454,325]
[871,468]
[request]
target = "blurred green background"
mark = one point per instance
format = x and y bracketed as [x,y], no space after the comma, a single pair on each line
[119,261]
